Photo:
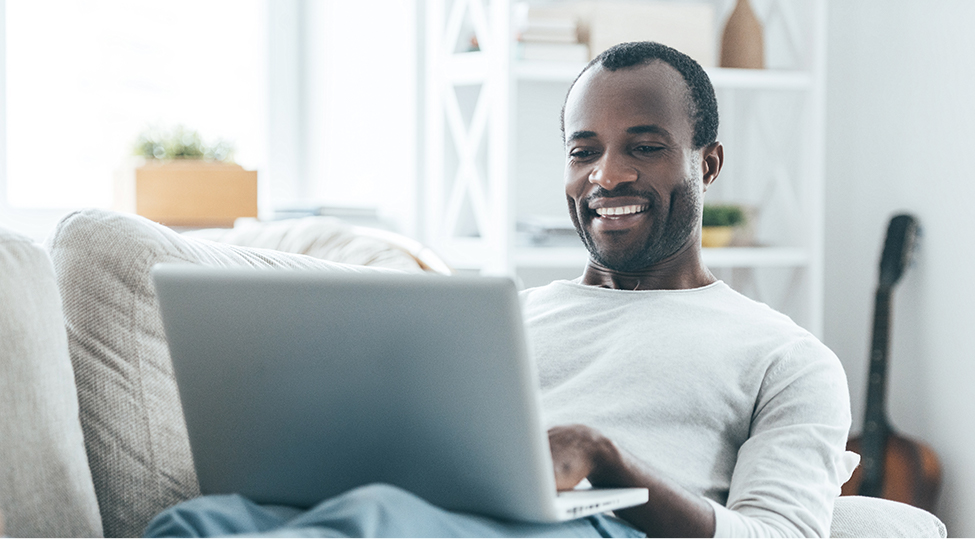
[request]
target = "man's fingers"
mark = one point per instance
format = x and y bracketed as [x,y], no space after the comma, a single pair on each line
[568,474]
[570,458]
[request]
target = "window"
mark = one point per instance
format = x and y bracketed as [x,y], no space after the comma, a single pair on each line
[83,79]
[319,96]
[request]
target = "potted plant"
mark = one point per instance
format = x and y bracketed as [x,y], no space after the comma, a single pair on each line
[719,222]
[186,182]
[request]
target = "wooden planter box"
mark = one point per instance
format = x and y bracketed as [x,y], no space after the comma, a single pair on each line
[195,193]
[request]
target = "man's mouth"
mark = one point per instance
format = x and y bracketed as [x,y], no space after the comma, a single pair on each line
[618,211]
[618,215]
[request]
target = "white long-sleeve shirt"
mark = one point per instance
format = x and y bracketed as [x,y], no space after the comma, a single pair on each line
[732,400]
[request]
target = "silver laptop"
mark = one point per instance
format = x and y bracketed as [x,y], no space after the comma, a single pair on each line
[298,385]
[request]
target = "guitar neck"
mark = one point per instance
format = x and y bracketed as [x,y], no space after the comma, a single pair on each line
[875,424]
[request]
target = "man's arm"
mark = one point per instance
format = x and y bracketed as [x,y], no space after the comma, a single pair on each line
[787,474]
[580,452]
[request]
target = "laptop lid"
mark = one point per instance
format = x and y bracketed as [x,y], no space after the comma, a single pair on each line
[298,385]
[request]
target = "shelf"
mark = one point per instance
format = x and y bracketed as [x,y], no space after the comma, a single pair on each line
[773,118]
[755,79]
[729,257]
[759,79]
[757,257]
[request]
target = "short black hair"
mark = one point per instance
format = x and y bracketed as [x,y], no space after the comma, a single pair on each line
[703,106]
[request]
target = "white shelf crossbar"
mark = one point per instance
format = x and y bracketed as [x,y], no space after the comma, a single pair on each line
[468,180]
[721,77]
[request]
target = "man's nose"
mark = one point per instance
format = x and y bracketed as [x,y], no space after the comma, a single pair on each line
[609,172]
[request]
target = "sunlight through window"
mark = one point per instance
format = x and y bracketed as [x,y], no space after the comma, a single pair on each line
[85,78]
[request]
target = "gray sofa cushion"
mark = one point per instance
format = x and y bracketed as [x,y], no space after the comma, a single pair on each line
[130,411]
[860,516]
[45,486]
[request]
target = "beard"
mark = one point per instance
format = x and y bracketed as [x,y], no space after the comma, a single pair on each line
[671,227]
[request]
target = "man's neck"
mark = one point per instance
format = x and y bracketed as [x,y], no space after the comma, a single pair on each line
[684,270]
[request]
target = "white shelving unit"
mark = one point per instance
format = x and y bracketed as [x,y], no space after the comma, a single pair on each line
[494,154]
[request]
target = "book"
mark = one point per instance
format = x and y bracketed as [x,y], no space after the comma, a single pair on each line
[553,52]
[550,31]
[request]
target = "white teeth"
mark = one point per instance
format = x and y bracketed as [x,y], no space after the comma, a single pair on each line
[621,210]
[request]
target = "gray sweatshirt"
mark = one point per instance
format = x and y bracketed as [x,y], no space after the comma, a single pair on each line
[729,398]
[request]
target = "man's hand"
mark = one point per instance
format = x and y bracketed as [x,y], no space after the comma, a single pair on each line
[577,451]
[580,452]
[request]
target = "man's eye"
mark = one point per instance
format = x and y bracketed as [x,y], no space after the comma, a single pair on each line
[647,149]
[581,154]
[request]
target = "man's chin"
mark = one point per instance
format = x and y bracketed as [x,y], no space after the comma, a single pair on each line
[616,260]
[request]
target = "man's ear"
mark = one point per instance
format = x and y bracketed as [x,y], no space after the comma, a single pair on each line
[712,158]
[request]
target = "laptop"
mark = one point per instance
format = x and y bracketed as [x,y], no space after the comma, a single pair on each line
[298,385]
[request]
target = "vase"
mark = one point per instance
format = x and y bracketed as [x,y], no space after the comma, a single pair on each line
[716,236]
[742,43]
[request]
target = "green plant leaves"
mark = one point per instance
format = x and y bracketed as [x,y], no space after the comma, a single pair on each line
[722,215]
[181,142]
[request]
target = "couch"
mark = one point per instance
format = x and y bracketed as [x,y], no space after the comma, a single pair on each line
[92,440]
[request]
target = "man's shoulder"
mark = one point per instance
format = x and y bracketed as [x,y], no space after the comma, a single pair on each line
[555,291]
[729,299]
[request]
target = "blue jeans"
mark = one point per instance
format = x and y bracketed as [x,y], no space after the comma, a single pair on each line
[369,511]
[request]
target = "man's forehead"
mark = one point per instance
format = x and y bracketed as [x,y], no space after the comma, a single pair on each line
[652,86]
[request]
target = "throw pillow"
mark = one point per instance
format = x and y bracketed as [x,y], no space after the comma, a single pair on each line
[45,485]
[133,425]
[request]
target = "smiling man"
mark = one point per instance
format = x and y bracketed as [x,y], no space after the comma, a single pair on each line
[641,150]
[654,373]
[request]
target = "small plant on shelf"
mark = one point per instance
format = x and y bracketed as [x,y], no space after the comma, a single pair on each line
[188,183]
[719,222]
[723,215]
[181,143]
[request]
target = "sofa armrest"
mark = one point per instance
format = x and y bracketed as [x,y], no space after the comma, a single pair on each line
[860,516]
[131,417]
[46,488]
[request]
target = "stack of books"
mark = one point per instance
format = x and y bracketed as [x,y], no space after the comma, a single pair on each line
[546,231]
[549,36]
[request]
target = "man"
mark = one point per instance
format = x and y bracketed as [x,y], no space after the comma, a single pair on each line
[654,374]
[720,399]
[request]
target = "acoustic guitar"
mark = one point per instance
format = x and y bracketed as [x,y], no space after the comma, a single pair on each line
[891,466]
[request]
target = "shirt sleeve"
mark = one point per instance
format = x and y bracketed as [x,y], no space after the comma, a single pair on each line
[790,470]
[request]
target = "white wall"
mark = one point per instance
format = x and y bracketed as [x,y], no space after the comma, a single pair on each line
[901,82]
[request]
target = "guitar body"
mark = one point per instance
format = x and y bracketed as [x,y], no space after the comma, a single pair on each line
[912,473]
[891,466]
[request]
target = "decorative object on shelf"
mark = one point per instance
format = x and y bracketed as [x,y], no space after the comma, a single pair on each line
[181,143]
[716,236]
[187,183]
[742,43]
[719,222]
